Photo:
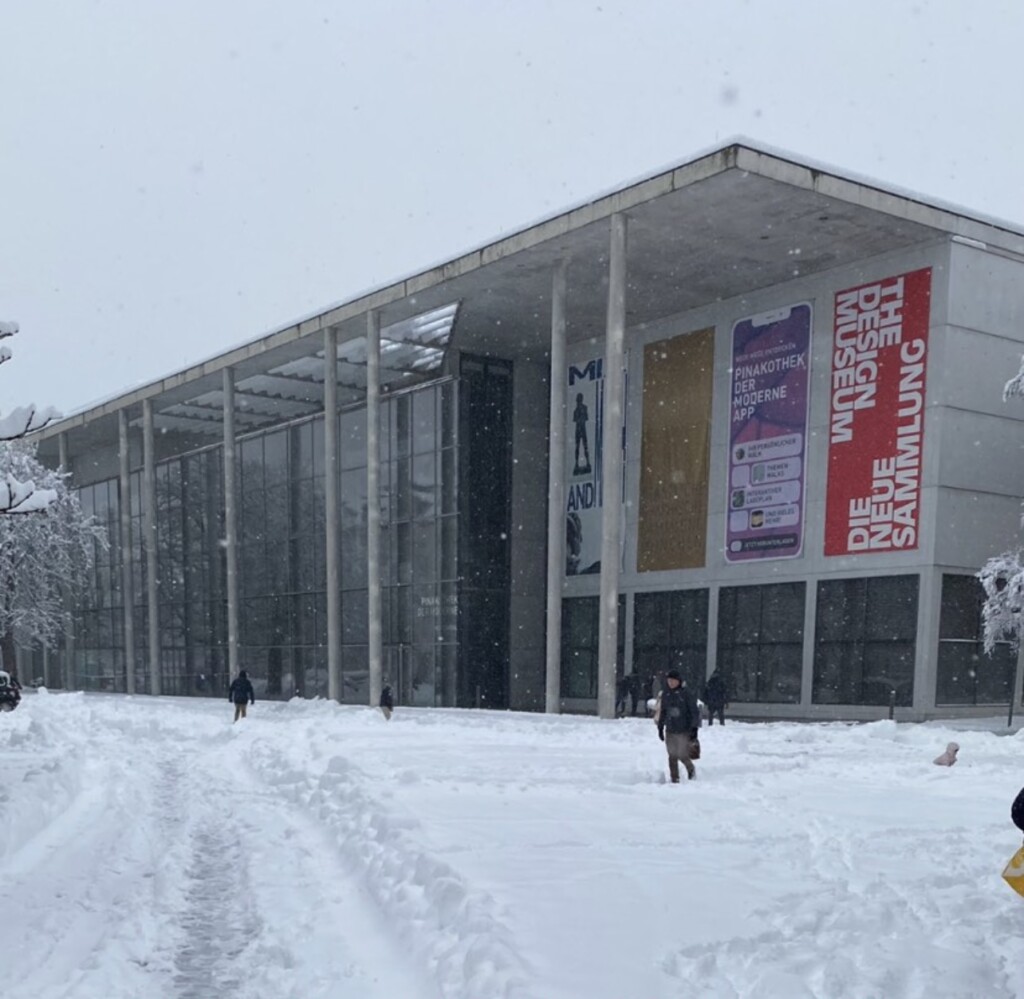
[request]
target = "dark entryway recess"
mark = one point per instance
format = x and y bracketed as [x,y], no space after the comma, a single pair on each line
[485,513]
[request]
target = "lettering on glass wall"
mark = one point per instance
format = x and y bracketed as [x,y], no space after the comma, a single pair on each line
[876,417]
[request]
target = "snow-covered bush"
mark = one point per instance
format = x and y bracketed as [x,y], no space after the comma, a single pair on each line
[41,556]
[1003,575]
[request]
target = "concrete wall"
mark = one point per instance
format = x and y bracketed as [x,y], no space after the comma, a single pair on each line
[813,564]
[981,475]
[527,611]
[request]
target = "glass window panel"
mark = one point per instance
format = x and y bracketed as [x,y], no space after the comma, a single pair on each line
[277,513]
[449,548]
[354,569]
[424,417]
[317,429]
[966,674]
[403,552]
[355,609]
[355,674]
[352,439]
[302,451]
[865,638]
[275,458]
[651,620]
[424,686]
[760,641]
[353,497]
[449,481]
[401,608]
[424,487]
[424,552]
[402,437]
[449,414]
[401,486]
[891,613]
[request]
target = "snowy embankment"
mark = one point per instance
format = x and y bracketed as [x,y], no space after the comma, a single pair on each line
[152,849]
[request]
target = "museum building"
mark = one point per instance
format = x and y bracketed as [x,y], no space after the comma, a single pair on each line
[749,407]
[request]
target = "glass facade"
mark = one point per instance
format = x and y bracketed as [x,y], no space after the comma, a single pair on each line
[670,631]
[965,674]
[761,641]
[581,634]
[445,575]
[98,659]
[865,640]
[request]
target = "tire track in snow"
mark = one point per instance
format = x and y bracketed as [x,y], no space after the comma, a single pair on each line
[218,922]
[455,931]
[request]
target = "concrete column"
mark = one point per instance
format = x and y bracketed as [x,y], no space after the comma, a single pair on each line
[926,672]
[611,475]
[332,512]
[149,521]
[69,621]
[373,573]
[810,619]
[556,496]
[230,520]
[127,590]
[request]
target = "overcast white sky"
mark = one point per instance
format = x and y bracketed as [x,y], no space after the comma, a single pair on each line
[177,178]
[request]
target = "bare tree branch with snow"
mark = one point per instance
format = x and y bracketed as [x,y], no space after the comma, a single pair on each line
[17,496]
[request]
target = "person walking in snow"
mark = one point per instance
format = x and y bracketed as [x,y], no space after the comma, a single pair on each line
[241,693]
[716,697]
[387,701]
[678,718]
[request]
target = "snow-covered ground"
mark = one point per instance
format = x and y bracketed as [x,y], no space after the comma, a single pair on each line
[148,848]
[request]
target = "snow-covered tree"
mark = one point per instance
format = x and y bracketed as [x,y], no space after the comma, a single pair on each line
[17,496]
[1002,576]
[43,556]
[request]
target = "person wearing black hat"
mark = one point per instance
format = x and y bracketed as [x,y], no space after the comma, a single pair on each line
[1017,810]
[241,693]
[678,718]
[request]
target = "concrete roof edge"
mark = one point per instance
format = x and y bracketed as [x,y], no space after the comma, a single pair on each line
[891,199]
[736,153]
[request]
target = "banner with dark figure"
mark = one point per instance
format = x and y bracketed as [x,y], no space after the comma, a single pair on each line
[583,467]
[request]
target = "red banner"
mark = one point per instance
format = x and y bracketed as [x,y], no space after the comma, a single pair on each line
[876,416]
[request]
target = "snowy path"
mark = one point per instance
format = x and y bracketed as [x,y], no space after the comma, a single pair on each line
[168,871]
[148,848]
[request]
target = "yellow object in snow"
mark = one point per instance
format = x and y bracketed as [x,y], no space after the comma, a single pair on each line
[1013,875]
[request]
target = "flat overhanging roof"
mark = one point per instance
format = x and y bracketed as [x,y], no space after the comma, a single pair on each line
[724,224]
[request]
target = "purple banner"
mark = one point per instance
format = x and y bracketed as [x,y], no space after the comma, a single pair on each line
[768,434]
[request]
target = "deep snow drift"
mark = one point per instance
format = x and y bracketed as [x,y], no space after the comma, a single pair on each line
[148,848]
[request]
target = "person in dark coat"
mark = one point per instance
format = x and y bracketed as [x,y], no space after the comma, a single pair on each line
[627,687]
[678,718]
[387,701]
[241,693]
[1017,810]
[716,697]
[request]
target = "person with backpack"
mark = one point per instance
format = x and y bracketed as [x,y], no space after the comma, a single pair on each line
[678,719]
[241,694]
